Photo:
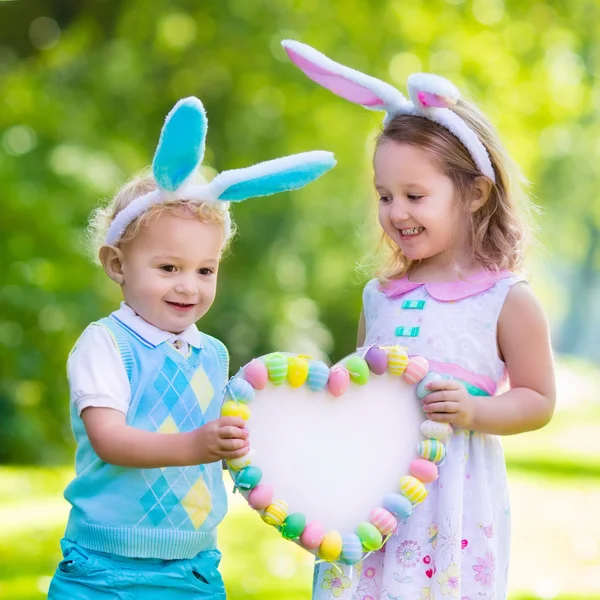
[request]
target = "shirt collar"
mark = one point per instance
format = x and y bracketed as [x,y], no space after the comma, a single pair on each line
[447,291]
[151,334]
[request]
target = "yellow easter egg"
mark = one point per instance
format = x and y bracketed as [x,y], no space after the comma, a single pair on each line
[397,359]
[297,371]
[413,489]
[275,513]
[331,546]
[231,408]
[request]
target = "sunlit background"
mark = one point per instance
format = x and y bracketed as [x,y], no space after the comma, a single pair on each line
[84,88]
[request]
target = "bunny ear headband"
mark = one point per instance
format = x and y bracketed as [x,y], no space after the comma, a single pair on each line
[179,153]
[430,96]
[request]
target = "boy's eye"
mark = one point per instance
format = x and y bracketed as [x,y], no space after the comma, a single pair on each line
[167,268]
[205,271]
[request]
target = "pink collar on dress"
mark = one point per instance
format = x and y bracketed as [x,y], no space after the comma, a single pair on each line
[447,291]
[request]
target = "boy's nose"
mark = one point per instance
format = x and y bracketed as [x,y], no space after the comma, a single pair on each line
[187,286]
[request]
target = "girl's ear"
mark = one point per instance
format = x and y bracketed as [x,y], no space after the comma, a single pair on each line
[111,258]
[482,188]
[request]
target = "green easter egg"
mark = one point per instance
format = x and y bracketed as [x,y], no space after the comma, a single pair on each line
[370,537]
[248,478]
[293,526]
[358,369]
[277,367]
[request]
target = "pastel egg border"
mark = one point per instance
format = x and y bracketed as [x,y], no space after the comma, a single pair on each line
[294,369]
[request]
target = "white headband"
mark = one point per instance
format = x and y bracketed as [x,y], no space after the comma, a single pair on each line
[180,151]
[430,96]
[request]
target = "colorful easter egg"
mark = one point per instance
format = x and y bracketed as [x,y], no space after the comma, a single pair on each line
[293,526]
[397,360]
[417,368]
[422,390]
[237,464]
[297,371]
[277,367]
[413,489]
[358,369]
[339,379]
[331,546]
[235,409]
[435,430]
[318,374]
[400,506]
[369,536]
[256,374]
[432,450]
[312,536]
[248,478]
[377,360]
[240,390]
[261,496]
[275,513]
[352,549]
[384,520]
[424,470]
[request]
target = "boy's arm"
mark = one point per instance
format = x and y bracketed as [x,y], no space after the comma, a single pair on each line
[117,443]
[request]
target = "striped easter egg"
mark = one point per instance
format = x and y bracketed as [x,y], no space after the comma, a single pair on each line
[417,368]
[352,549]
[397,359]
[432,450]
[275,513]
[384,520]
[277,367]
[413,489]
[318,374]
[240,390]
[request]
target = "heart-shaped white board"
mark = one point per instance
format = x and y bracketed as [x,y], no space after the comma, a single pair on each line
[334,459]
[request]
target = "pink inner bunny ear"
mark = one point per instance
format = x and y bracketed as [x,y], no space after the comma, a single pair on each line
[338,84]
[426,99]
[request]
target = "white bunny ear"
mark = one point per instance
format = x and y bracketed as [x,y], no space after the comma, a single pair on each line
[270,177]
[432,91]
[351,85]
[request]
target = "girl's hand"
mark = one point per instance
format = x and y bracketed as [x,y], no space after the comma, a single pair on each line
[223,438]
[449,402]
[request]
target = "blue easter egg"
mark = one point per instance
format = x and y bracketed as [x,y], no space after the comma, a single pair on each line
[421,391]
[400,506]
[248,478]
[318,374]
[352,549]
[240,390]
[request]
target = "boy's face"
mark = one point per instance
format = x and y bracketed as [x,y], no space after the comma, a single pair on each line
[170,270]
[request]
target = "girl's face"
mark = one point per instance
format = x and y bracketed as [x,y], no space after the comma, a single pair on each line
[418,208]
[170,270]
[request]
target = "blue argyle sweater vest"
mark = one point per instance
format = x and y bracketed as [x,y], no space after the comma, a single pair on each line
[166,513]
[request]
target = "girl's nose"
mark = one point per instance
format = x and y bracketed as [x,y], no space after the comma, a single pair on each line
[398,211]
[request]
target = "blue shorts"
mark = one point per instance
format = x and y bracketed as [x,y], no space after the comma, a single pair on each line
[87,575]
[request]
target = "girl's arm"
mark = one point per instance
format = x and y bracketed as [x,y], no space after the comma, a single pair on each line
[361,330]
[524,343]
[119,444]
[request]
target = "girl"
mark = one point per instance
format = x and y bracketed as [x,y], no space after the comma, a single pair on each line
[146,384]
[447,207]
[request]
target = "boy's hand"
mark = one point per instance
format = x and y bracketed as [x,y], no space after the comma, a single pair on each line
[223,438]
[449,402]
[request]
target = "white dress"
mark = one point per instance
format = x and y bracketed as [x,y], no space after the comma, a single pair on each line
[456,543]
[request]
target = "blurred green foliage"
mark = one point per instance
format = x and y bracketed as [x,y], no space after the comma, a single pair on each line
[85,86]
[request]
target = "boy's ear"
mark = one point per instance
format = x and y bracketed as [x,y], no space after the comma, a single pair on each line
[482,188]
[111,258]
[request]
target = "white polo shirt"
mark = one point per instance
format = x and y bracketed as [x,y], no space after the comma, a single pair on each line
[96,373]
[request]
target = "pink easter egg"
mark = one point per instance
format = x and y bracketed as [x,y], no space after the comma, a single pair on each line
[261,496]
[417,368]
[256,374]
[339,379]
[384,520]
[424,469]
[377,360]
[312,536]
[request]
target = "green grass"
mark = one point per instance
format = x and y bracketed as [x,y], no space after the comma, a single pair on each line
[553,474]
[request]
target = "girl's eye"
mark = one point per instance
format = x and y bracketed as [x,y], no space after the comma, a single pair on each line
[413,197]
[385,199]
[205,271]
[167,268]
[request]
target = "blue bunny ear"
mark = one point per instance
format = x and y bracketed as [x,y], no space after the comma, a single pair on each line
[181,145]
[266,178]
